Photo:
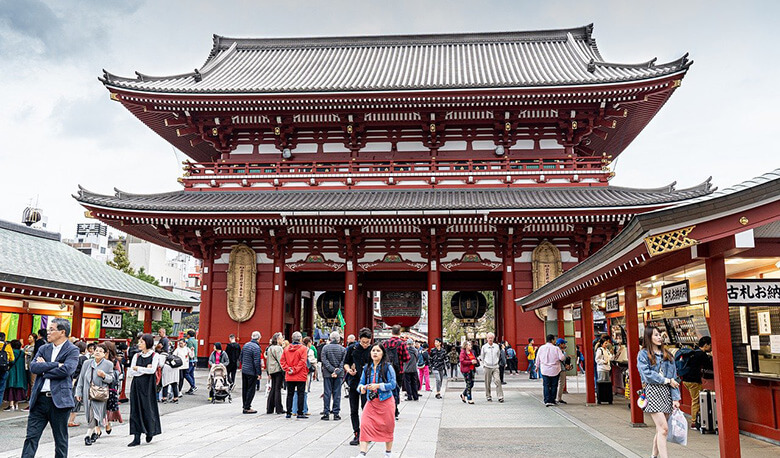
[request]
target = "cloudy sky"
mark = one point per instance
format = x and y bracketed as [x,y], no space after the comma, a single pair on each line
[59,128]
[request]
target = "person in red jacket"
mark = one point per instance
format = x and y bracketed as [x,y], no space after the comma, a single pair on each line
[467,367]
[293,363]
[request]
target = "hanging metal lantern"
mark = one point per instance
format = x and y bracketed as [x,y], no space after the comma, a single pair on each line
[329,303]
[468,306]
[403,308]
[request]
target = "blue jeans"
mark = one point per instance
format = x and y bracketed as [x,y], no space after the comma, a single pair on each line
[332,390]
[532,369]
[190,377]
[550,388]
[305,402]
[3,381]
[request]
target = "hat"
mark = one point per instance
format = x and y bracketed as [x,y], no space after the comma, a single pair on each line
[560,341]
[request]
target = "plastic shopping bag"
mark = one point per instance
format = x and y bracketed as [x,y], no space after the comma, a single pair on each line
[678,428]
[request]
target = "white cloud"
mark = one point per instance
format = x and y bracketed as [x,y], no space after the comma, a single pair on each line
[60,129]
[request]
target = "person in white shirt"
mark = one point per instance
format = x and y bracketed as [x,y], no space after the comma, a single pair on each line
[490,356]
[549,358]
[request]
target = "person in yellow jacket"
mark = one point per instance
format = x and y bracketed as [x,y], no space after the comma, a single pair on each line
[530,354]
[5,370]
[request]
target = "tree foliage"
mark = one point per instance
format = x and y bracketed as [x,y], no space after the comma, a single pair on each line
[454,329]
[131,325]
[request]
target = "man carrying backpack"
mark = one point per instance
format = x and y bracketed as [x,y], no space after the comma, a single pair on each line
[6,359]
[690,367]
[398,356]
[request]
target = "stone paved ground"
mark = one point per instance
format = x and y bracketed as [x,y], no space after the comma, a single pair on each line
[521,426]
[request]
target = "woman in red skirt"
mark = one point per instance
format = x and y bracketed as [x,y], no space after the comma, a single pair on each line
[378,421]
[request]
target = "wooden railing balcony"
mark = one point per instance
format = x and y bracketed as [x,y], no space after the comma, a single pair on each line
[377,173]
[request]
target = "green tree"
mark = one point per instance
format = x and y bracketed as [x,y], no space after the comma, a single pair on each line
[454,329]
[131,326]
[146,277]
[121,261]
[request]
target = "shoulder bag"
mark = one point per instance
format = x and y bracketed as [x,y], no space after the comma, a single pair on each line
[97,393]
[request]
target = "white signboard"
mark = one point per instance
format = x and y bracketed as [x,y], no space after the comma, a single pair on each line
[755,343]
[576,314]
[753,292]
[612,303]
[764,324]
[774,344]
[111,320]
[674,294]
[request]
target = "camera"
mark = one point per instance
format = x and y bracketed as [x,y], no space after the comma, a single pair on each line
[372,395]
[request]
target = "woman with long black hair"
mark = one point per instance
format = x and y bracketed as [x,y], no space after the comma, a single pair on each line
[659,374]
[144,415]
[377,381]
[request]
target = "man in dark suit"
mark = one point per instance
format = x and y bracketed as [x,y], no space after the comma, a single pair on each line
[51,398]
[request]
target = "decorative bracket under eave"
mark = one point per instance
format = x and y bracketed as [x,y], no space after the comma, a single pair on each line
[670,241]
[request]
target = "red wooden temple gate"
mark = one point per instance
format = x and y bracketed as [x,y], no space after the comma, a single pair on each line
[359,164]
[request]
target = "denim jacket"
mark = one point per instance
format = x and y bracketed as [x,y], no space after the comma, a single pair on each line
[385,389]
[657,373]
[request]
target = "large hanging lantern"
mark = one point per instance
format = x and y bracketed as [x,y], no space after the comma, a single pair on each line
[468,306]
[401,307]
[329,303]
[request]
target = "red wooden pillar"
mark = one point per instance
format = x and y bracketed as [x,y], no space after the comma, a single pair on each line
[147,321]
[297,309]
[434,304]
[510,308]
[204,317]
[350,301]
[361,310]
[587,350]
[277,295]
[308,314]
[78,315]
[723,360]
[632,334]
[26,322]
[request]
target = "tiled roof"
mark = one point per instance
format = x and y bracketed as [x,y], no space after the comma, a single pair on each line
[762,189]
[354,200]
[37,258]
[401,62]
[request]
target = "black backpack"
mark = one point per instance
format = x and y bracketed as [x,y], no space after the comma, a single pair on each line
[392,357]
[4,365]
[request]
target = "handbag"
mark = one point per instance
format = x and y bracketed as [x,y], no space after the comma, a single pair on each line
[97,393]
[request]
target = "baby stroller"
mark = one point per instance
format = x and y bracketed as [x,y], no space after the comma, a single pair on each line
[218,384]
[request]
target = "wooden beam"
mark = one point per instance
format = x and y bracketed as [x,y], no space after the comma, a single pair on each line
[632,334]
[587,346]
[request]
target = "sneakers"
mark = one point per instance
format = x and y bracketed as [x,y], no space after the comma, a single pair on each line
[561,401]
[549,404]
[249,411]
[336,417]
[325,417]
[463,398]
[438,396]
[490,399]
[501,400]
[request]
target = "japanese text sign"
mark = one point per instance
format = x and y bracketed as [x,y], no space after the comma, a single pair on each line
[678,293]
[111,320]
[753,292]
